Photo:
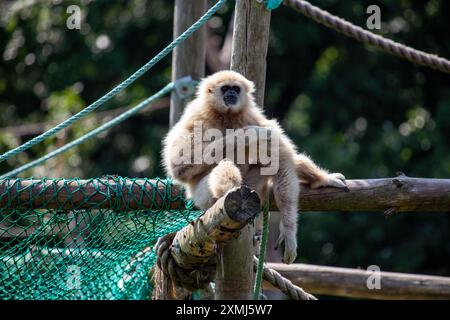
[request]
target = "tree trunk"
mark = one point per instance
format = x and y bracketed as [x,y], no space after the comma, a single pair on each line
[188,59]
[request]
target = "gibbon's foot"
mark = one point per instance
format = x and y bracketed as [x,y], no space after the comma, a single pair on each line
[335,180]
[290,246]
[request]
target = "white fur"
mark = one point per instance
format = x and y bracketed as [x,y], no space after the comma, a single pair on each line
[206,182]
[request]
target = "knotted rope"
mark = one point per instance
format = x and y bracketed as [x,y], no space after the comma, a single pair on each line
[191,279]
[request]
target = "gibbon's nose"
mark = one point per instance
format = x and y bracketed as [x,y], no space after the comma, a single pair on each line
[230,98]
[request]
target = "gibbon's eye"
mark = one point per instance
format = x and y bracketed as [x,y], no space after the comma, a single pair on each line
[236,89]
[225,89]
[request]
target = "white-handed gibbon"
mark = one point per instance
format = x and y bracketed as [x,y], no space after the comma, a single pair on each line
[225,101]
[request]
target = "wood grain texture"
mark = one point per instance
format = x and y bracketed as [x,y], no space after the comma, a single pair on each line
[249,51]
[250,44]
[390,195]
[195,244]
[346,282]
[188,59]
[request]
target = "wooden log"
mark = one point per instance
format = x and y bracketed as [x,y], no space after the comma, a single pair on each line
[249,51]
[352,283]
[70,194]
[399,194]
[10,232]
[188,59]
[195,244]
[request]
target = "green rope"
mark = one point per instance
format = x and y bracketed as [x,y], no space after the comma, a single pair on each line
[168,88]
[262,251]
[118,88]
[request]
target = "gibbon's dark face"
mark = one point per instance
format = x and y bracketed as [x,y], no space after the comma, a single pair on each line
[230,94]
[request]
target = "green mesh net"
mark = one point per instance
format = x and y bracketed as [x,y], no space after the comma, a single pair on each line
[84,239]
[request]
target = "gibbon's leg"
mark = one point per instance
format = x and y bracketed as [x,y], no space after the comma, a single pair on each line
[201,195]
[315,176]
[224,177]
[286,189]
[255,181]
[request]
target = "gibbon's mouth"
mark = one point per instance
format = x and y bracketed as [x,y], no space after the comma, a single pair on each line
[230,100]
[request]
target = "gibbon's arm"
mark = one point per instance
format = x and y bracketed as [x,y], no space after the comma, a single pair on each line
[228,142]
[189,172]
[307,170]
[182,169]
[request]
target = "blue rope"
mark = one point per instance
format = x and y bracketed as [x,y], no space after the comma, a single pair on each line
[168,88]
[117,89]
[272,4]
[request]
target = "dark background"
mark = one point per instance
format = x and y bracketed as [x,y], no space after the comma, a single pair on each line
[353,108]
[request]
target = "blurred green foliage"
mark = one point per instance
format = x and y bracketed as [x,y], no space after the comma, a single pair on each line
[353,108]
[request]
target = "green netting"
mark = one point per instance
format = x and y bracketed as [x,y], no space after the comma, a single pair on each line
[84,239]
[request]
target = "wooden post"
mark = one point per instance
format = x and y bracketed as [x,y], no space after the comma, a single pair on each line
[234,277]
[188,59]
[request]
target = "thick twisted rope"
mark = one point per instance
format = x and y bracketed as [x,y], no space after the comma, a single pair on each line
[168,88]
[285,285]
[340,25]
[191,279]
[200,22]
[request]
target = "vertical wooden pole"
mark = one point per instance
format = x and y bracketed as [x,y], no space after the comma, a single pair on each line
[234,278]
[189,57]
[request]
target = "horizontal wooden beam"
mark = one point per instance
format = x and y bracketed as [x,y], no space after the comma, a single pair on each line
[399,194]
[389,195]
[352,283]
[98,193]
